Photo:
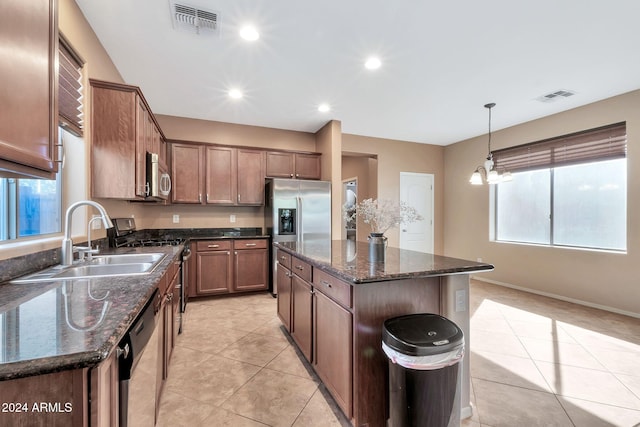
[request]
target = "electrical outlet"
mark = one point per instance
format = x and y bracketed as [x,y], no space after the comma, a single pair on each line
[176,219]
[232,218]
[461,300]
[95,225]
[479,259]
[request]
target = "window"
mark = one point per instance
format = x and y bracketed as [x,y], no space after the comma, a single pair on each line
[568,191]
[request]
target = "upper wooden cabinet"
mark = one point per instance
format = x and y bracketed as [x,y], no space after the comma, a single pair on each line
[29,118]
[123,131]
[282,164]
[217,175]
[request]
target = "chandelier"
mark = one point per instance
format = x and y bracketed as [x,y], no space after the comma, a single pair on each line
[491,175]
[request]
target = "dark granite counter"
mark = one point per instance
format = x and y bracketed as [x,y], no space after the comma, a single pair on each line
[349,260]
[52,326]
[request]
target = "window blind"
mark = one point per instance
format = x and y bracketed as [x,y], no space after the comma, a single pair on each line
[69,88]
[603,143]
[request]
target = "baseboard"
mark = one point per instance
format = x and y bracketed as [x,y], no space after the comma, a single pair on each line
[559,297]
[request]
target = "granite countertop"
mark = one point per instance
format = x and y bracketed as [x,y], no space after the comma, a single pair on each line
[349,260]
[209,233]
[58,325]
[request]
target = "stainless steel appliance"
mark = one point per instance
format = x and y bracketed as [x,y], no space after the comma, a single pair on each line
[158,179]
[296,211]
[138,367]
[124,235]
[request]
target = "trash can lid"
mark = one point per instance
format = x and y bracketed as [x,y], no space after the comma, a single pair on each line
[422,334]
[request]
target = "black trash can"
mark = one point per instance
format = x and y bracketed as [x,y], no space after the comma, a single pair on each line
[423,351]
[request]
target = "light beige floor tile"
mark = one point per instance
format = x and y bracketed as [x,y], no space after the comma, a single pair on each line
[588,384]
[244,321]
[632,382]
[184,357]
[469,423]
[272,327]
[223,418]
[209,339]
[490,324]
[177,410]
[619,362]
[207,313]
[505,369]
[318,413]
[503,405]
[560,352]
[212,381]
[593,339]
[591,414]
[497,343]
[288,361]
[272,397]
[524,315]
[255,349]
[549,331]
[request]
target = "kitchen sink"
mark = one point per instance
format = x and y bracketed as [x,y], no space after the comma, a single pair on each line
[128,258]
[99,267]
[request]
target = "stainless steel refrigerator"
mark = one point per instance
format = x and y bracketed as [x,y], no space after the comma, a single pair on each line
[296,211]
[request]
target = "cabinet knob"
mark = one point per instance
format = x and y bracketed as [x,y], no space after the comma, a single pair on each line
[327,284]
[299,267]
[291,175]
[199,198]
[283,257]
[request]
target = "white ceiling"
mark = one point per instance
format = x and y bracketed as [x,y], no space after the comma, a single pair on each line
[441,61]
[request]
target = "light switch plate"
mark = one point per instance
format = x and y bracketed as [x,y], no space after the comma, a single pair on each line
[461,300]
[176,219]
[232,218]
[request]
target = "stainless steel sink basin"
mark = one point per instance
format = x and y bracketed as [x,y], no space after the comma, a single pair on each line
[100,266]
[128,258]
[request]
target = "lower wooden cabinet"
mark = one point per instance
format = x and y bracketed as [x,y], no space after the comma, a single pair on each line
[333,344]
[301,319]
[283,279]
[226,266]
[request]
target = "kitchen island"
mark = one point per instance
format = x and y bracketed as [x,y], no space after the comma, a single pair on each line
[333,302]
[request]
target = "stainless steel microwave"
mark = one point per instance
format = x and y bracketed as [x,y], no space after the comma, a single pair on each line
[158,178]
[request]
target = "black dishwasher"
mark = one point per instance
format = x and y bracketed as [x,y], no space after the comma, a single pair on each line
[138,367]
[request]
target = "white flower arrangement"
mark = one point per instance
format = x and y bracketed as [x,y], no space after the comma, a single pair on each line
[381,215]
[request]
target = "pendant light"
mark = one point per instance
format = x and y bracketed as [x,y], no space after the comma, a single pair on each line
[490,174]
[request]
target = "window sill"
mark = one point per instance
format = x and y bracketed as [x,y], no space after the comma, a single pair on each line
[571,248]
[16,248]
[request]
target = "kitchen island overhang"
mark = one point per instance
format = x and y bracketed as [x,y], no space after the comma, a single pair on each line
[406,282]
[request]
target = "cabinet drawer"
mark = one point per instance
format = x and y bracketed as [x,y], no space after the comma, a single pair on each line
[334,288]
[213,245]
[301,269]
[250,244]
[284,259]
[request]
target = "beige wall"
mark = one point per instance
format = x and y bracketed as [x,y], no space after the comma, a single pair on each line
[597,278]
[329,143]
[401,156]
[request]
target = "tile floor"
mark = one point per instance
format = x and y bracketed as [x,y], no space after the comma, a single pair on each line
[535,361]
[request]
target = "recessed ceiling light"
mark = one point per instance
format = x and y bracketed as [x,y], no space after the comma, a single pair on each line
[249,32]
[373,63]
[323,108]
[235,94]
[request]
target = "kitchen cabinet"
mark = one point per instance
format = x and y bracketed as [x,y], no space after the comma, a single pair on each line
[214,267]
[284,283]
[283,164]
[217,175]
[301,319]
[227,266]
[105,393]
[333,348]
[187,169]
[29,118]
[123,130]
[251,271]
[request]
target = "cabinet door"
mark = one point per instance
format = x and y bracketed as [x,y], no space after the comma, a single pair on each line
[250,177]
[104,393]
[283,279]
[308,166]
[333,355]
[142,141]
[28,72]
[221,173]
[251,270]
[214,271]
[186,167]
[280,165]
[301,297]
[113,150]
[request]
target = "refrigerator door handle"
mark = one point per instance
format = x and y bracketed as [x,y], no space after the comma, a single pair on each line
[299,215]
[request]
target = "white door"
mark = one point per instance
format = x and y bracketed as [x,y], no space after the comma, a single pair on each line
[416,189]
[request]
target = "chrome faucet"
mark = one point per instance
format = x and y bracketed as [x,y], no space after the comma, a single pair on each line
[67,243]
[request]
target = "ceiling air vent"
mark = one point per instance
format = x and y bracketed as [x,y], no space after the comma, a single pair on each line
[557,95]
[194,20]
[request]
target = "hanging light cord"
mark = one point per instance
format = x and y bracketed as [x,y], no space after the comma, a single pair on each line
[490,106]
